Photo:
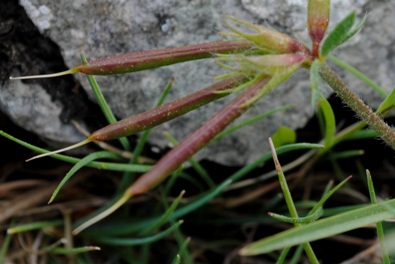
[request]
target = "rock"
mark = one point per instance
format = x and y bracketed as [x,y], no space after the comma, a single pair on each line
[102,28]
[42,106]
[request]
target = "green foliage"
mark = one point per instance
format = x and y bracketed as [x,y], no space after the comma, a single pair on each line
[341,33]
[323,228]
[283,136]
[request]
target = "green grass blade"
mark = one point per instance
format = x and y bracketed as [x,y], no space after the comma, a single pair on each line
[33,226]
[330,122]
[80,164]
[323,228]
[296,257]
[101,100]
[74,251]
[251,121]
[4,247]
[237,175]
[283,256]
[138,241]
[311,217]
[98,165]
[379,225]
[182,251]
[289,201]
[165,216]
[177,259]
[388,103]
[369,82]
[338,34]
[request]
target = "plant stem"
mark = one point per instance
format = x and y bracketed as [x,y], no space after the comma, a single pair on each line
[357,105]
[289,201]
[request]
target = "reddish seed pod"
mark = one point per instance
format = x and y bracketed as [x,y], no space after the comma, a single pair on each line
[157,115]
[144,60]
[318,12]
[125,63]
[195,141]
[165,112]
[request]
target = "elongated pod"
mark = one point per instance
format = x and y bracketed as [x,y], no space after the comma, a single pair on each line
[156,116]
[144,60]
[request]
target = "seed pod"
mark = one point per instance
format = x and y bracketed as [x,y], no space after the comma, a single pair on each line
[156,116]
[318,13]
[150,59]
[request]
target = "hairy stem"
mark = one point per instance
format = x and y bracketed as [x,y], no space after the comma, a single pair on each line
[357,105]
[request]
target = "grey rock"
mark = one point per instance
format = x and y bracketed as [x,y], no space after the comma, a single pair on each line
[102,28]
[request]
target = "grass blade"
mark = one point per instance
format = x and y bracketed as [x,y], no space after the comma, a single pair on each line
[323,228]
[94,164]
[80,164]
[74,251]
[379,225]
[138,241]
[33,226]
[103,104]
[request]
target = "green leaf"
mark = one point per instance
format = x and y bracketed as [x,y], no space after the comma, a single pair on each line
[354,31]
[33,226]
[330,122]
[80,164]
[339,34]
[284,136]
[379,225]
[122,241]
[73,251]
[165,217]
[250,121]
[101,100]
[93,164]
[388,103]
[323,228]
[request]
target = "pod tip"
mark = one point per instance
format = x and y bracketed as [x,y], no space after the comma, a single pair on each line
[41,76]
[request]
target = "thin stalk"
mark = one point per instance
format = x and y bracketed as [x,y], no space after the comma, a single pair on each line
[289,201]
[379,225]
[357,105]
[103,104]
